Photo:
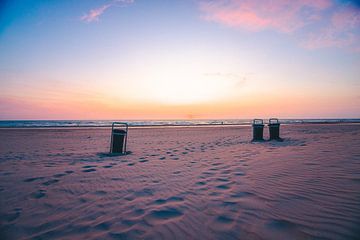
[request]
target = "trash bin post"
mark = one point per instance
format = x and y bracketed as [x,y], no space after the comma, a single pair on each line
[258,130]
[118,138]
[274,129]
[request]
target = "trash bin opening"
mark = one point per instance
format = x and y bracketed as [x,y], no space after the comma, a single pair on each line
[273,121]
[119,131]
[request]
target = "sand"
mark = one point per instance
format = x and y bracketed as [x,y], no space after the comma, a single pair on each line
[181,183]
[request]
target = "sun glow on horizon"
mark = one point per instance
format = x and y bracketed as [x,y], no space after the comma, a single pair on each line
[185,88]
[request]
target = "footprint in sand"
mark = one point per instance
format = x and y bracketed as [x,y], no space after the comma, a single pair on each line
[129,198]
[100,193]
[144,192]
[207,174]
[108,166]
[280,224]
[200,183]
[33,179]
[50,182]
[69,172]
[13,215]
[117,179]
[89,166]
[163,215]
[229,203]
[216,164]
[286,228]
[222,223]
[226,172]
[59,175]
[143,160]
[83,200]
[128,222]
[241,194]
[38,194]
[223,219]
[214,194]
[103,226]
[222,179]
[223,186]
[131,164]
[214,169]
[89,170]
[239,173]
[175,199]
[160,201]
[162,158]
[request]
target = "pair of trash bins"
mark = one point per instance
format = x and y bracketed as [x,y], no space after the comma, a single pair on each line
[119,135]
[274,129]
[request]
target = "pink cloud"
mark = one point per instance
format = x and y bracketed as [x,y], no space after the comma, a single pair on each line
[342,30]
[94,14]
[256,15]
[316,23]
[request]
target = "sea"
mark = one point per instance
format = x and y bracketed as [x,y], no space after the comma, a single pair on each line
[149,123]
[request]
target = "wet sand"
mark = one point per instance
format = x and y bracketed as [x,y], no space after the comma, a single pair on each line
[181,183]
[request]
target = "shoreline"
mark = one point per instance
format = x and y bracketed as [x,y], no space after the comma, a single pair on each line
[180,126]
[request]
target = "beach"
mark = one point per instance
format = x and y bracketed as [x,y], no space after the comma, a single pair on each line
[208,182]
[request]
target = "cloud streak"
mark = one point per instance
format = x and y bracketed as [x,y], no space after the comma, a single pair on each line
[342,30]
[322,23]
[256,15]
[94,14]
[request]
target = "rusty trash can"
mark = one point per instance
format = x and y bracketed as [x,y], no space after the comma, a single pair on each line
[118,142]
[258,130]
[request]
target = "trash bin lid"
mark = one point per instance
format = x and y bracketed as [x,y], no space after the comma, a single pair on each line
[273,121]
[258,122]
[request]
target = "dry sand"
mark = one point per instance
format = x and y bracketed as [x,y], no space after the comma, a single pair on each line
[181,183]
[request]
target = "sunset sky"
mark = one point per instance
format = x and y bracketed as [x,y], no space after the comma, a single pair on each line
[157,59]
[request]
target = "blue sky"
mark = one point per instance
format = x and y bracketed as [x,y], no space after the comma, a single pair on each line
[174,59]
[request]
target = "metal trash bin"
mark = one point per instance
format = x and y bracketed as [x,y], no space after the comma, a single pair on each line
[274,129]
[258,130]
[118,137]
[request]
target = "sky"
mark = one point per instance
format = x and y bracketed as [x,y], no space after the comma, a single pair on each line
[186,59]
